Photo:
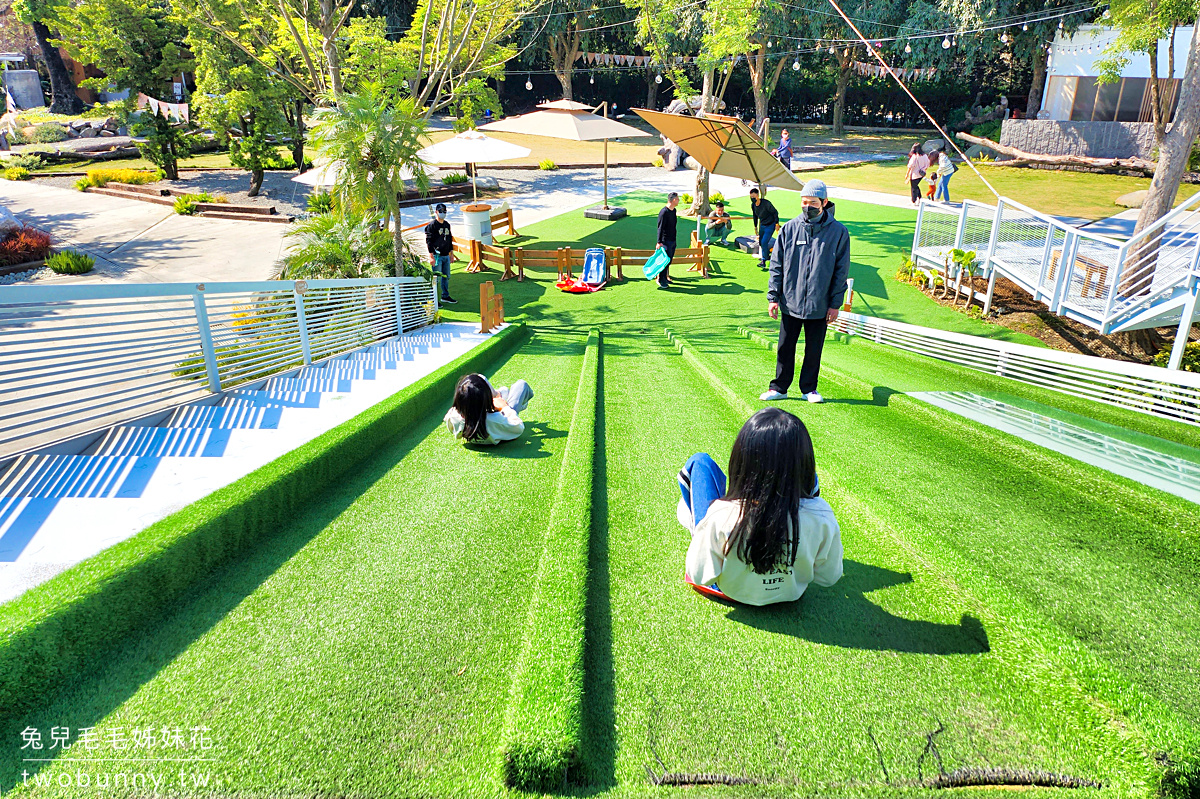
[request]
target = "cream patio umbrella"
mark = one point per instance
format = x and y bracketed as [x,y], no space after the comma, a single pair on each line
[724,146]
[471,147]
[566,119]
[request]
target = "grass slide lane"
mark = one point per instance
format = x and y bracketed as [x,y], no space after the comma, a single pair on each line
[367,649]
[837,694]
[1101,570]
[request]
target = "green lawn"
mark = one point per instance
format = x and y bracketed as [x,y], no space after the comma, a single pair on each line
[1003,606]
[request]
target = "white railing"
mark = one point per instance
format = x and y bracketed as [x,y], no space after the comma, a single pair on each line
[77,358]
[1095,279]
[1146,389]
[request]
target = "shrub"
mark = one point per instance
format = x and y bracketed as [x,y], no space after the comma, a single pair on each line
[1191,357]
[24,245]
[48,133]
[455,178]
[716,197]
[70,262]
[16,173]
[906,270]
[685,199]
[329,246]
[186,204]
[988,130]
[657,160]
[274,160]
[102,177]
[15,136]
[547,165]
[319,202]
[28,161]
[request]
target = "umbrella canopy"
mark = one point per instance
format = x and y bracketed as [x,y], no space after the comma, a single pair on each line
[324,175]
[724,146]
[560,123]
[567,105]
[471,147]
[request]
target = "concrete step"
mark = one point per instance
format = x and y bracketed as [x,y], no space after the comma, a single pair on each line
[72,476]
[161,442]
[272,398]
[129,195]
[226,418]
[331,383]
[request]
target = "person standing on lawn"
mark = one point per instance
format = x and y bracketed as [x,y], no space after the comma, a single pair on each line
[766,225]
[667,220]
[807,285]
[440,242]
[946,170]
[918,163]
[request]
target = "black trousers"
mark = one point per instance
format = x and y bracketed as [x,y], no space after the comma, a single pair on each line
[665,274]
[915,185]
[785,363]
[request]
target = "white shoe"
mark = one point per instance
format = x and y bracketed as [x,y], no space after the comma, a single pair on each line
[768,396]
[814,397]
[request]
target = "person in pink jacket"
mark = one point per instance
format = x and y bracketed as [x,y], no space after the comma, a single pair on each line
[918,163]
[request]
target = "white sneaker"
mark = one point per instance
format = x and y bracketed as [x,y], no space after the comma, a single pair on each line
[767,396]
[814,397]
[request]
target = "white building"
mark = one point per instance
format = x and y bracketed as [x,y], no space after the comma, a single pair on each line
[1072,93]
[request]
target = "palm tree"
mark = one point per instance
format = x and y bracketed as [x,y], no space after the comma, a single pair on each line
[373,143]
[332,247]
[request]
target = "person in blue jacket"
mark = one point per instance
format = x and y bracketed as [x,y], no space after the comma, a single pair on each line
[807,284]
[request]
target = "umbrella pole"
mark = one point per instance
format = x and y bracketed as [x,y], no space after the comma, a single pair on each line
[606,174]
[474,182]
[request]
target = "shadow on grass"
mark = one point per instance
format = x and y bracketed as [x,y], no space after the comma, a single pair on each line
[599,697]
[842,616]
[529,445]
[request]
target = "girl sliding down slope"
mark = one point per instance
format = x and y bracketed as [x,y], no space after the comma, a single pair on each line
[771,535]
[483,415]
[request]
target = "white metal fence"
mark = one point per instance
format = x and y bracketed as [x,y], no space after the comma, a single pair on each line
[77,358]
[1147,389]
[1108,284]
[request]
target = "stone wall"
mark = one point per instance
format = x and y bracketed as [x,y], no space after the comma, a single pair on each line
[1097,139]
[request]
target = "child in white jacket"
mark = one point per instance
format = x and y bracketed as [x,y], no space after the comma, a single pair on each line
[771,535]
[483,415]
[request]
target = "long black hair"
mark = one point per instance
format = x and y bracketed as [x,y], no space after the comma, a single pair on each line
[915,149]
[771,468]
[473,401]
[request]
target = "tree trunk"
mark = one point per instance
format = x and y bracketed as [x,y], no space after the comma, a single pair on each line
[170,164]
[1172,164]
[1157,112]
[700,206]
[1033,103]
[256,180]
[329,46]
[839,103]
[651,91]
[63,99]
[1021,158]
[564,48]
[757,62]
[298,136]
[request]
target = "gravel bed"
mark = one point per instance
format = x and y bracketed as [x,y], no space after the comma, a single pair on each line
[27,276]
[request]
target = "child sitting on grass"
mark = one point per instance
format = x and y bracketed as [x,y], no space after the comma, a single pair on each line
[771,535]
[931,176]
[483,415]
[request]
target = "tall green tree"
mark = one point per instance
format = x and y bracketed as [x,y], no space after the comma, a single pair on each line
[139,45]
[241,100]
[373,143]
[40,15]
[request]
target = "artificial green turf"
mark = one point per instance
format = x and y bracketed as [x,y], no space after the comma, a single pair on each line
[71,622]
[543,725]
[367,647]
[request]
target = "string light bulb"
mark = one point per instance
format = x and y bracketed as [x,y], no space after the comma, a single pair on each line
[528,84]
[1004,38]
[796,66]
[658,78]
[907,47]
[831,51]
[592,79]
[946,43]
[1025,27]
[1060,25]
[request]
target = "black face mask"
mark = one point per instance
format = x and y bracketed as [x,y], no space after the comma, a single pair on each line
[811,212]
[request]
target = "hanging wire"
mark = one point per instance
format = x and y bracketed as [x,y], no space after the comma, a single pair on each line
[888,68]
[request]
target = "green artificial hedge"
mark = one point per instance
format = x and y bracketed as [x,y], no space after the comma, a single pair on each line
[543,725]
[69,624]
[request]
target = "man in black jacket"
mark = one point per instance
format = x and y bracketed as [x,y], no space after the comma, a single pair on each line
[766,223]
[667,219]
[807,285]
[440,242]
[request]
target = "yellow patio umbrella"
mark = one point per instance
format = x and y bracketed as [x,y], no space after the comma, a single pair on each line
[724,146]
[566,119]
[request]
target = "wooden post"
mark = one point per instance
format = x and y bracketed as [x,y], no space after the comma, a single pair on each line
[703,260]
[568,258]
[508,263]
[520,263]
[695,243]
[499,316]
[512,228]
[486,290]
[620,273]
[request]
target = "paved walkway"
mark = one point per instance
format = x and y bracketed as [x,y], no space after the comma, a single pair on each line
[137,242]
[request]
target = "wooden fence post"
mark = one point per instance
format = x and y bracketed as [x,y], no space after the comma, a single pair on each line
[703,260]
[520,263]
[485,306]
[620,272]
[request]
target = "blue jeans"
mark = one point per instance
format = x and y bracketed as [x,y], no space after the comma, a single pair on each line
[441,265]
[943,187]
[766,238]
[702,483]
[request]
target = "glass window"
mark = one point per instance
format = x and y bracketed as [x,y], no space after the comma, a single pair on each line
[1085,100]
[1133,92]
[1107,95]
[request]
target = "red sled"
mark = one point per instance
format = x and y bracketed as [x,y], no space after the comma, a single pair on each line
[595,274]
[577,286]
